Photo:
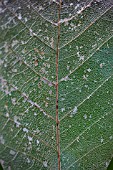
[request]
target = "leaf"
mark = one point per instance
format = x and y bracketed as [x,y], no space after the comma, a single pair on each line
[1,167]
[110,167]
[56,84]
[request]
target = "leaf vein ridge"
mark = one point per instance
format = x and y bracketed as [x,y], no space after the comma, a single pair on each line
[80,65]
[86,27]
[87,98]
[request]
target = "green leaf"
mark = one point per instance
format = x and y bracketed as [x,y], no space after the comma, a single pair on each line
[110,167]
[1,167]
[56,103]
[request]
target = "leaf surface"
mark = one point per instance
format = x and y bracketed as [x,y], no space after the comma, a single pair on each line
[49,51]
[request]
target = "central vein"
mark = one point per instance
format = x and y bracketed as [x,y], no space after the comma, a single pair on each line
[57,116]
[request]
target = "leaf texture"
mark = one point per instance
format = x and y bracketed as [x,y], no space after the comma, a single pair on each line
[35,36]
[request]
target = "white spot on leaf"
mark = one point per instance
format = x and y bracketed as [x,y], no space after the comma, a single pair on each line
[19,16]
[37,142]
[16,121]
[85,116]
[2,141]
[111,137]
[12,152]
[101,140]
[25,130]
[62,109]
[45,164]
[74,111]
[15,42]
[65,78]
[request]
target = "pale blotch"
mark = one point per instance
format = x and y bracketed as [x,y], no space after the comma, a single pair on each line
[90,116]
[89,70]
[16,118]
[46,82]
[15,42]
[101,140]
[62,99]
[1,9]
[46,104]
[2,141]
[6,47]
[62,109]
[28,160]
[25,19]
[13,101]
[35,114]
[68,67]
[85,116]
[19,16]
[45,164]
[30,139]
[1,61]
[66,78]
[52,42]
[71,4]
[25,130]
[107,163]
[2,162]
[74,111]
[37,141]
[41,8]
[7,114]
[111,137]
[81,57]
[85,77]
[50,92]
[14,70]
[78,139]
[9,168]
[86,86]
[101,65]
[32,33]
[12,152]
